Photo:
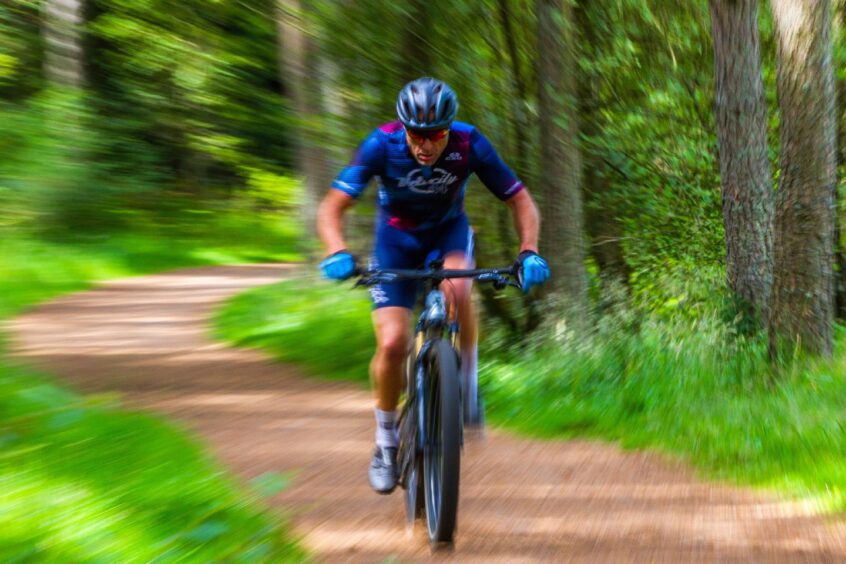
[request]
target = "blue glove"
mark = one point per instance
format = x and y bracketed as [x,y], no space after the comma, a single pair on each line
[338,266]
[533,270]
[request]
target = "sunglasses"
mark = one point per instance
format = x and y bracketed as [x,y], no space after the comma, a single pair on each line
[420,136]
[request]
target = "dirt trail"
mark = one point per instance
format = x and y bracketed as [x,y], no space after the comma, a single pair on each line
[521,500]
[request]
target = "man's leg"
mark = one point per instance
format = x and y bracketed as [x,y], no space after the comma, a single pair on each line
[392,329]
[459,293]
[391,320]
[392,333]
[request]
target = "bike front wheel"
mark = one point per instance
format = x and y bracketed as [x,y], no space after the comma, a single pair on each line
[442,446]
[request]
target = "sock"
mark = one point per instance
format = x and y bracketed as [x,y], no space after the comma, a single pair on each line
[386,428]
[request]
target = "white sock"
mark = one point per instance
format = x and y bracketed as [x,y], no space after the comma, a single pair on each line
[386,428]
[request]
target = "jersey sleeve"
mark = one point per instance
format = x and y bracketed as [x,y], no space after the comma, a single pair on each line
[365,164]
[491,169]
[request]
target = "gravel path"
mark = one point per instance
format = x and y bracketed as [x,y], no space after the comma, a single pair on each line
[521,500]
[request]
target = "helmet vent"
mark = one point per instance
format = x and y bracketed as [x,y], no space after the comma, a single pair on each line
[426,103]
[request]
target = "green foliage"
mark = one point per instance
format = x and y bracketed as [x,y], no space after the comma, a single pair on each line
[20,49]
[185,100]
[668,372]
[34,269]
[692,389]
[304,321]
[652,68]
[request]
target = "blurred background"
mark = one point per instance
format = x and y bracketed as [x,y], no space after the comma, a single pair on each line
[687,159]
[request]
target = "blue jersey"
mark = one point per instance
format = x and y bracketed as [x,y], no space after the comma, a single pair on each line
[414,197]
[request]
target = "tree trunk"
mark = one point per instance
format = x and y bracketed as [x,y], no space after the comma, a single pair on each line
[802,306]
[601,222]
[560,164]
[839,235]
[417,53]
[741,117]
[299,58]
[519,95]
[63,46]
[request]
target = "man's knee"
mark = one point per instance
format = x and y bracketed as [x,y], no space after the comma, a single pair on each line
[392,335]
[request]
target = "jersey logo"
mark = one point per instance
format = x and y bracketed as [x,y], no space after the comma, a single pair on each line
[438,182]
[453,157]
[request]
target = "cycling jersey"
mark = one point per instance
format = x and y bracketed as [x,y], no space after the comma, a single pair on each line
[415,197]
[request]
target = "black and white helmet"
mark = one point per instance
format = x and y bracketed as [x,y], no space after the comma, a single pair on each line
[426,103]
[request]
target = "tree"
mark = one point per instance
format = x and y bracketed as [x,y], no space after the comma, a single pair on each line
[741,117]
[299,58]
[839,234]
[62,24]
[601,216]
[416,47]
[560,164]
[802,307]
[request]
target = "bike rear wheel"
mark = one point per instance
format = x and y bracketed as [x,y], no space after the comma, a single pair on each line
[442,448]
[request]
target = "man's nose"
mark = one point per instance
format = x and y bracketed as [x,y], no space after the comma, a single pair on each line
[427,145]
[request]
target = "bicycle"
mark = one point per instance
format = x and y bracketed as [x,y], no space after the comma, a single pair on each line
[431,419]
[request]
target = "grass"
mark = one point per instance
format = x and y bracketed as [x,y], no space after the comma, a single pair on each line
[323,327]
[83,480]
[672,376]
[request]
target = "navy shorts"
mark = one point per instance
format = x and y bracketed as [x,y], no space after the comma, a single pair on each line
[395,248]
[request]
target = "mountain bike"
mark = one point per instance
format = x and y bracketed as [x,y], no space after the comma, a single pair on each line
[430,423]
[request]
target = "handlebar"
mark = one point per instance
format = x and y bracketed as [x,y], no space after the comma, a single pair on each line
[499,277]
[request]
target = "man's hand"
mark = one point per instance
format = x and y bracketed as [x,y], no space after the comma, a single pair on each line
[338,266]
[533,270]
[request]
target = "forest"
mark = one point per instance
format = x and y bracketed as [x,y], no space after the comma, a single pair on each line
[687,159]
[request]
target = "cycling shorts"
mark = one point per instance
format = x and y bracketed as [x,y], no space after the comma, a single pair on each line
[395,248]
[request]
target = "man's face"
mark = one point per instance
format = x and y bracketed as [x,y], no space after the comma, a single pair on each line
[427,146]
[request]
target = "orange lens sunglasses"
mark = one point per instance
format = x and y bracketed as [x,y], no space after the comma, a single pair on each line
[420,136]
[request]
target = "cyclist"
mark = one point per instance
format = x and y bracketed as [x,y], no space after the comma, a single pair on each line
[422,163]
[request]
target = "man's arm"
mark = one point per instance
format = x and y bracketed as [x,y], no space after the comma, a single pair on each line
[526,219]
[330,220]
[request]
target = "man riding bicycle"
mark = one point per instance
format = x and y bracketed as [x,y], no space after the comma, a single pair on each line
[422,163]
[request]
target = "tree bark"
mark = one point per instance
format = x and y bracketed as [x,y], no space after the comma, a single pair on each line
[520,94]
[299,59]
[560,163]
[63,46]
[741,117]
[802,306]
[601,221]
[839,235]
[417,54]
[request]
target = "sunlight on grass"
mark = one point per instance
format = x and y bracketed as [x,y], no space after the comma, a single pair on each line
[323,326]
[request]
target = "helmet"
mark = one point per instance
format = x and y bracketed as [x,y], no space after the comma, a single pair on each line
[426,103]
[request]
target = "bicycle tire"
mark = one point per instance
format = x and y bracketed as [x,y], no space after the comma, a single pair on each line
[442,448]
[410,455]
[414,495]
